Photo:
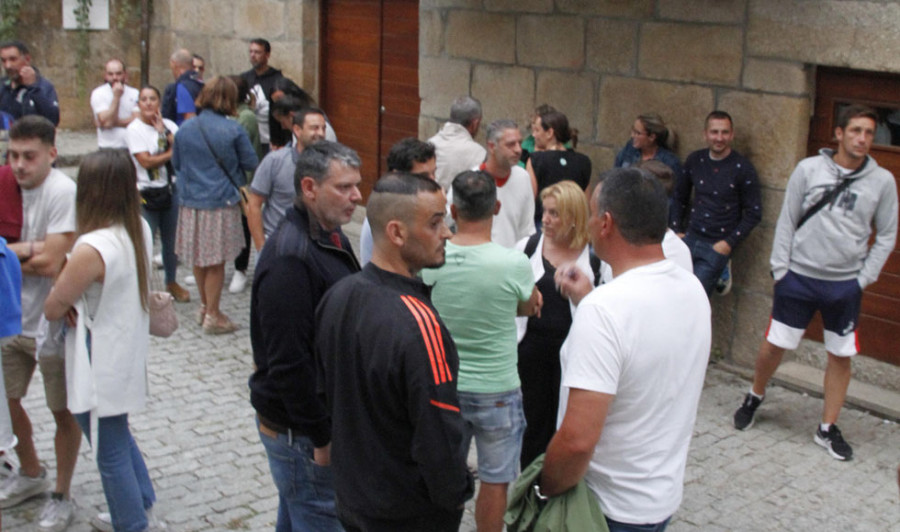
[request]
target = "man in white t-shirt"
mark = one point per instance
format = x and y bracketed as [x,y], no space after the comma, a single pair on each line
[515,220]
[48,231]
[114,105]
[630,383]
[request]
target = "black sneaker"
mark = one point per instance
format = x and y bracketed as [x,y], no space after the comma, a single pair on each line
[834,443]
[743,417]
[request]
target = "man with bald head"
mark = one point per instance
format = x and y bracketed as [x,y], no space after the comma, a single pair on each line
[178,98]
[398,453]
[114,105]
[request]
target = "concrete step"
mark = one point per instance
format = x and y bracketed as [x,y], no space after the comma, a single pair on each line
[73,145]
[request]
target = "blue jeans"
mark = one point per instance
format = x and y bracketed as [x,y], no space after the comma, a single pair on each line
[615,526]
[497,422]
[305,489]
[126,483]
[708,263]
[167,223]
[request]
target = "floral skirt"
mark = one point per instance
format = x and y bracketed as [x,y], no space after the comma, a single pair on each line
[207,237]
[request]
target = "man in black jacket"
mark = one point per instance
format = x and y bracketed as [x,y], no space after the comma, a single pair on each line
[389,370]
[261,79]
[304,257]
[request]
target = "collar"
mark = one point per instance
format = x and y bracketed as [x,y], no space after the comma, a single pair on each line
[500,181]
[189,75]
[396,281]
[316,232]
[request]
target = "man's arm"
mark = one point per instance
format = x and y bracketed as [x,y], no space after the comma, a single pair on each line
[531,306]
[681,196]
[569,452]
[108,118]
[254,219]
[44,258]
[43,96]
[750,205]
[885,236]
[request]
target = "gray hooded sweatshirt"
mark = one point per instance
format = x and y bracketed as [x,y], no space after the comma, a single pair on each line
[833,244]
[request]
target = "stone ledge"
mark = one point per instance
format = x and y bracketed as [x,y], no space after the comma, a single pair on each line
[802,378]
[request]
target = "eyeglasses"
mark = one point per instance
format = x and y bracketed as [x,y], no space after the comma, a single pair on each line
[636,133]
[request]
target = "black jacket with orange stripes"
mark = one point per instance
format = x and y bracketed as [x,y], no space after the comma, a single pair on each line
[389,368]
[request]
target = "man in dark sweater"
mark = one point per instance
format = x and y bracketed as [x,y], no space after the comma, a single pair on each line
[726,203]
[261,79]
[24,91]
[304,257]
[389,370]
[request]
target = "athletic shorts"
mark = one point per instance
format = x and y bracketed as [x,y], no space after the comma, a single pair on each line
[19,361]
[497,422]
[798,297]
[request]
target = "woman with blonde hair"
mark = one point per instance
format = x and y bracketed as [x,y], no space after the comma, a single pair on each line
[104,291]
[563,239]
[650,139]
[210,156]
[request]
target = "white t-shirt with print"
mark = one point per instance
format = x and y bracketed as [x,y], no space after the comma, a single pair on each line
[143,137]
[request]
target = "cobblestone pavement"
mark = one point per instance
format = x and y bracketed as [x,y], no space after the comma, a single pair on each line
[210,470]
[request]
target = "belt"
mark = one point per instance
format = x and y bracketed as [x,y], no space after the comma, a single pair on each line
[271,427]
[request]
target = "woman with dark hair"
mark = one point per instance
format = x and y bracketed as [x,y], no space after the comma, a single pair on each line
[552,162]
[104,291]
[287,99]
[211,154]
[150,140]
[563,239]
[650,139]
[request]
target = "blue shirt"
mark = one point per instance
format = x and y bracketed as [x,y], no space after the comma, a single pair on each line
[630,156]
[10,292]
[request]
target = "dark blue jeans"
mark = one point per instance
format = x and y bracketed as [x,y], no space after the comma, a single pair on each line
[615,526]
[708,263]
[305,489]
[167,223]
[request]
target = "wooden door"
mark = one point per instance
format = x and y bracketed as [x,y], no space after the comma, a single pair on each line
[370,76]
[879,323]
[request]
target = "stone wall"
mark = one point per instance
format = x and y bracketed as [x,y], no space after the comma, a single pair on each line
[603,62]
[218,30]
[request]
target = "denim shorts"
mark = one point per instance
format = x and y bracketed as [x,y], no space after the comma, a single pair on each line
[497,422]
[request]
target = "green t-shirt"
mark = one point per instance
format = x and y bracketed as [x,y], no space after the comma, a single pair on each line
[477,292]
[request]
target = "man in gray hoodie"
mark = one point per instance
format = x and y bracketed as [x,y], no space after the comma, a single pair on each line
[821,260]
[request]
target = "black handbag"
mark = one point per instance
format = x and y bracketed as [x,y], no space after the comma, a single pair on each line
[157,198]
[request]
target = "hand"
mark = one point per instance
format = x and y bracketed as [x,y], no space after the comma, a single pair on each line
[538,305]
[722,248]
[118,88]
[572,282]
[27,75]
[72,317]
[322,455]
[680,235]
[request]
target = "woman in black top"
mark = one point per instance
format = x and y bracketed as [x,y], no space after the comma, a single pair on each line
[554,163]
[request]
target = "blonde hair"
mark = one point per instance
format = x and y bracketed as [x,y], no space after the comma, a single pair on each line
[572,205]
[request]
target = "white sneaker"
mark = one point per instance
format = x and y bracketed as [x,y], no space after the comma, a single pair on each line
[157,261]
[57,515]
[103,522]
[18,488]
[238,282]
[190,280]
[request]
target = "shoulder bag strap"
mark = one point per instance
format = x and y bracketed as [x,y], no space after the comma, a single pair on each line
[216,157]
[829,197]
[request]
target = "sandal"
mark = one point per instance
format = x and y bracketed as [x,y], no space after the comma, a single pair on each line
[218,324]
[201,314]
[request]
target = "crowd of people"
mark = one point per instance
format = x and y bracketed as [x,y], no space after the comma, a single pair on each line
[505,293]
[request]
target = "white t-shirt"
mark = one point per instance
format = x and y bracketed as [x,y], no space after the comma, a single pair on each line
[515,220]
[644,338]
[101,99]
[47,209]
[673,248]
[142,137]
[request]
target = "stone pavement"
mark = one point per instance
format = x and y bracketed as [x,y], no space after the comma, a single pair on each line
[210,470]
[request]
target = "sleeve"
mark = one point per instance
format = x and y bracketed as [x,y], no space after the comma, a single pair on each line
[135,141]
[620,157]
[681,196]
[184,102]
[433,406]
[885,236]
[98,102]
[594,360]
[526,217]
[522,277]
[61,208]
[247,158]
[791,211]
[751,204]
[287,329]
[262,180]
[43,96]
[176,152]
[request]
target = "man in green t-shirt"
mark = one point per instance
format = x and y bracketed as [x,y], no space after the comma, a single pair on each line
[479,291]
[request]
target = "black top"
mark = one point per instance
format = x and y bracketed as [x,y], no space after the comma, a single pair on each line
[277,134]
[298,264]
[389,369]
[551,167]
